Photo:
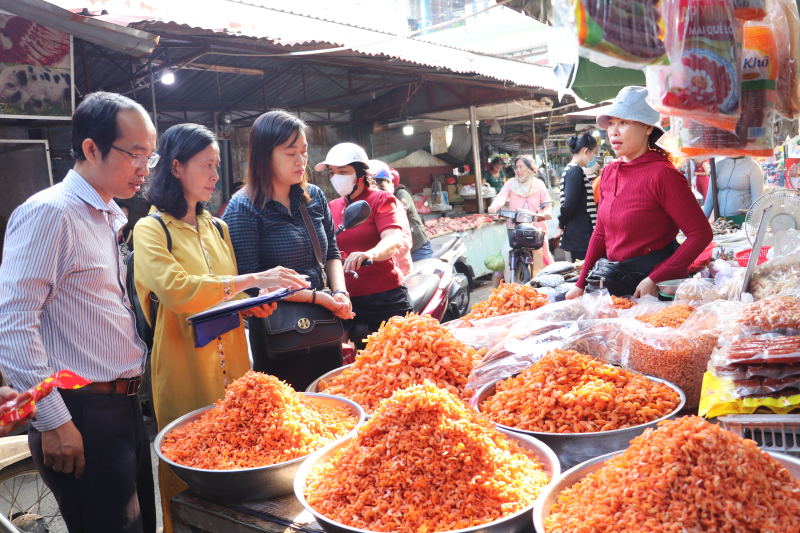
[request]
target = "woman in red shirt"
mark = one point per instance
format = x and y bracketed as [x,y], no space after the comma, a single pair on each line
[379,292]
[644,202]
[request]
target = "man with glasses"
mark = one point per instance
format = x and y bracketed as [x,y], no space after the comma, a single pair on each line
[63,306]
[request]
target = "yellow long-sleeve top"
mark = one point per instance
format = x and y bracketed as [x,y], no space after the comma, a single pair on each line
[196,275]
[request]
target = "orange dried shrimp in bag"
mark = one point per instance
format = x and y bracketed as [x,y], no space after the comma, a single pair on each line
[405,351]
[622,303]
[688,475]
[425,463]
[670,317]
[506,299]
[261,421]
[568,392]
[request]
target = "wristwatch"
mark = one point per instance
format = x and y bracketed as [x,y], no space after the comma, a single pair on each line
[341,292]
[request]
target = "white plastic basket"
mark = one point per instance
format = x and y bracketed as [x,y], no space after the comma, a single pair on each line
[774,433]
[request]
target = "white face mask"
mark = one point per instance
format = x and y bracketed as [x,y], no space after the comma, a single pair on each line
[343,183]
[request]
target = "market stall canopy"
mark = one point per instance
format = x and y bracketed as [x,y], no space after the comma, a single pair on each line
[596,84]
[539,9]
[318,37]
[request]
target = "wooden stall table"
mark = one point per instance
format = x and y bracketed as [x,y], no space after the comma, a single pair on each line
[194,514]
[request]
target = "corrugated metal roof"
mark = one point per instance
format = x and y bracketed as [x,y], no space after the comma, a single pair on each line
[291,30]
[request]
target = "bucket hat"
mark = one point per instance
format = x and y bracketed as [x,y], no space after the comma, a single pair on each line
[631,104]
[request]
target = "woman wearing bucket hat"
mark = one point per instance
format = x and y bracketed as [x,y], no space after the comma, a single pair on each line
[644,202]
[378,293]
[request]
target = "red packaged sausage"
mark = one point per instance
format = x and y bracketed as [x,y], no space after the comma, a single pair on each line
[702,80]
[22,406]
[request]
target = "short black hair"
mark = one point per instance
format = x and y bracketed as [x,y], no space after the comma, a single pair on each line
[96,119]
[577,143]
[181,143]
[495,161]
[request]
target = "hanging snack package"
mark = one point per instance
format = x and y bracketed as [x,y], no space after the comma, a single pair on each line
[783,18]
[615,33]
[702,79]
[749,9]
[753,133]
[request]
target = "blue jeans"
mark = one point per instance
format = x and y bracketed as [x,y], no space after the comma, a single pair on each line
[424,251]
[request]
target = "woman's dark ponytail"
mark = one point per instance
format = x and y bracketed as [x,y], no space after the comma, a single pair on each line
[577,143]
[652,141]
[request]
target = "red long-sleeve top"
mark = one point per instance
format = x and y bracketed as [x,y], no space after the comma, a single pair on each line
[643,204]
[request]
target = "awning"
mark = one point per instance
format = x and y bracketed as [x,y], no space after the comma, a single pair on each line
[118,38]
[596,84]
[236,18]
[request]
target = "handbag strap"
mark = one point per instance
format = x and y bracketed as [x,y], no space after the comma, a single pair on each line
[312,233]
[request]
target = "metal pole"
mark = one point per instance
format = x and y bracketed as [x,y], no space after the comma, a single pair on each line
[712,175]
[153,94]
[533,133]
[546,157]
[476,157]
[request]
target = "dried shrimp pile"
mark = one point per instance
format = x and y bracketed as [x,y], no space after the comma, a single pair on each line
[425,463]
[622,303]
[670,317]
[405,351]
[772,314]
[568,392]
[688,475]
[506,299]
[262,421]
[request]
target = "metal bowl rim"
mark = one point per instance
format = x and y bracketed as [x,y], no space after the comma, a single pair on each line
[171,426]
[594,433]
[315,383]
[538,510]
[302,476]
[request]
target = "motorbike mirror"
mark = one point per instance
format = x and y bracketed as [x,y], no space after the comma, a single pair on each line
[356,214]
[546,204]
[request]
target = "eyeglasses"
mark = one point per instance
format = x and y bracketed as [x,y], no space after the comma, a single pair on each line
[141,160]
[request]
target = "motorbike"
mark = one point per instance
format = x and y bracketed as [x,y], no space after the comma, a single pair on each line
[434,286]
[525,239]
[452,250]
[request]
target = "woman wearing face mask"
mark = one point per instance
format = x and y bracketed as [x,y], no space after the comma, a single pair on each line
[644,202]
[578,210]
[524,191]
[198,271]
[378,293]
[267,230]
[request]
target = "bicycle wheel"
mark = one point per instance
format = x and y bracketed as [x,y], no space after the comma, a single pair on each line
[27,502]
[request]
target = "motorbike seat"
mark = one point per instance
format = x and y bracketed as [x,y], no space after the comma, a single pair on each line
[421,288]
[441,245]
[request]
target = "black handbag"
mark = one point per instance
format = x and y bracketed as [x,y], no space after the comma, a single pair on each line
[621,278]
[296,328]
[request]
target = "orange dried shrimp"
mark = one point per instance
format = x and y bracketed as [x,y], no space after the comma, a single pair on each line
[405,351]
[568,392]
[425,463]
[670,317]
[622,303]
[506,299]
[772,313]
[261,421]
[688,475]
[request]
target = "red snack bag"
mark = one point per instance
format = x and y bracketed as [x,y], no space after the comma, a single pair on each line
[22,406]
[702,80]
[749,9]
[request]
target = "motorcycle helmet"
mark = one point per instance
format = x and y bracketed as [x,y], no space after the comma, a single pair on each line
[379,170]
[343,154]
[395,177]
[527,236]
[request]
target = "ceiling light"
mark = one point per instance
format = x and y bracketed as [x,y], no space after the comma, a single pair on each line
[168,78]
[596,134]
[408,129]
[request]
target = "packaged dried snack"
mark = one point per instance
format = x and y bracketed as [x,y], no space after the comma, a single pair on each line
[622,33]
[702,79]
[697,290]
[780,314]
[719,399]
[783,18]
[753,132]
[766,355]
[749,9]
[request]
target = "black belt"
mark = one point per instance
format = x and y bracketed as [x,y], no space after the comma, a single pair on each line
[127,387]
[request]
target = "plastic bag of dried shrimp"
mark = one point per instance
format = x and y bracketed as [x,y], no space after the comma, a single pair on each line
[670,354]
[778,314]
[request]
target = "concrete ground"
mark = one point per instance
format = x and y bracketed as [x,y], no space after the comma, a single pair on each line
[483,287]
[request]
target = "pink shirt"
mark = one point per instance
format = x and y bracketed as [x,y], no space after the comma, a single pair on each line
[531,203]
